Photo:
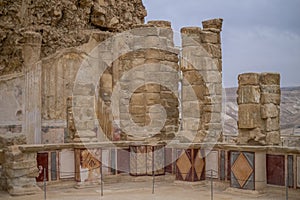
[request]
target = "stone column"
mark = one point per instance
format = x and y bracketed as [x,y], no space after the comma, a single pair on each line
[270,107]
[201,65]
[32,69]
[249,119]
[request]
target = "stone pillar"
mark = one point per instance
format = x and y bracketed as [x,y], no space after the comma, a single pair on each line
[259,109]
[270,107]
[32,69]
[148,80]
[20,170]
[201,65]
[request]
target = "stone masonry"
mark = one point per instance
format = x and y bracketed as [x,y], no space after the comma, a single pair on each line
[259,109]
[20,169]
[201,65]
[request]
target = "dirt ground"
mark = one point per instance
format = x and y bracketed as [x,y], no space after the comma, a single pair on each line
[163,191]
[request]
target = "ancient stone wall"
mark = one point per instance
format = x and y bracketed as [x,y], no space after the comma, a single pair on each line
[259,109]
[34,30]
[11,104]
[61,24]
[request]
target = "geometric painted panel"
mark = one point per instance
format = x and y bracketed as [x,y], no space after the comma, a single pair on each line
[275,170]
[298,172]
[199,165]
[90,164]
[184,165]
[242,170]
[190,165]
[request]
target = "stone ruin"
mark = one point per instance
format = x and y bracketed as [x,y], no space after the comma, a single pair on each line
[259,109]
[57,103]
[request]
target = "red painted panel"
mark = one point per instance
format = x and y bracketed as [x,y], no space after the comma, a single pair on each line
[42,163]
[123,160]
[275,170]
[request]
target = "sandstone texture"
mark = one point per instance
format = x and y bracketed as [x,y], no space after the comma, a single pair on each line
[61,24]
[259,109]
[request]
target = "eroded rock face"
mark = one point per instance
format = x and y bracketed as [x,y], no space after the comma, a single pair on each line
[61,24]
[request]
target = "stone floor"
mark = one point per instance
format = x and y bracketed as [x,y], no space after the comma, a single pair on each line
[163,191]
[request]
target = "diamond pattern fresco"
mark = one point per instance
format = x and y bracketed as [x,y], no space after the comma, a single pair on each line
[184,165]
[242,170]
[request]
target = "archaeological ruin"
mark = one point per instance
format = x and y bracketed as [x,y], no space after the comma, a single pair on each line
[89,92]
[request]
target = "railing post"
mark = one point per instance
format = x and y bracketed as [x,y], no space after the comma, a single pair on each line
[211,185]
[45,189]
[101,178]
[287,187]
[153,173]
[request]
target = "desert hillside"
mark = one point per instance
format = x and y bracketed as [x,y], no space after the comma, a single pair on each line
[290,111]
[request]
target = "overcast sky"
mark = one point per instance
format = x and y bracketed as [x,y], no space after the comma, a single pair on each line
[258,35]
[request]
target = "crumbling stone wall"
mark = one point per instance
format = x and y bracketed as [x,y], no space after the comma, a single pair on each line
[34,30]
[61,24]
[259,109]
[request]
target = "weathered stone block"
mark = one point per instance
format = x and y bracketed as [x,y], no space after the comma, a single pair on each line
[84,89]
[137,110]
[212,76]
[272,124]
[191,109]
[198,90]
[212,99]
[269,111]
[10,139]
[213,23]
[249,79]
[251,136]
[248,95]
[81,101]
[160,23]
[193,77]
[189,94]
[106,80]
[273,138]
[212,117]
[138,99]
[270,89]
[213,50]
[212,108]
[249,116]
[152,98]
[270,79]
[145,31]
[210,37]
[191,124]
[270,98]
[152,88]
